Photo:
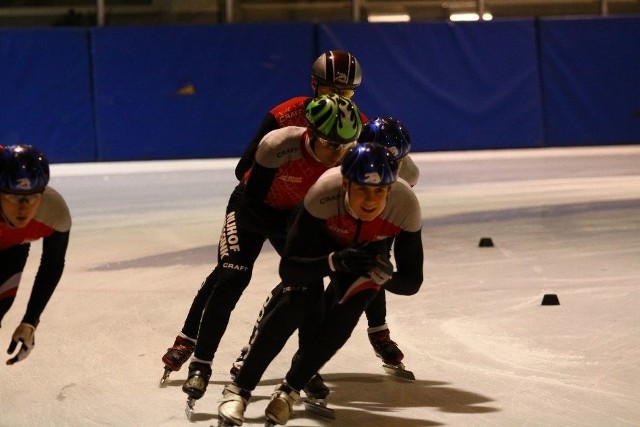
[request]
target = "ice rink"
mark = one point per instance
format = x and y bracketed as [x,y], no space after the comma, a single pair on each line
[485,352]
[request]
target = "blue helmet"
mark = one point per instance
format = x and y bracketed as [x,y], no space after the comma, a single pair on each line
[389,132]
[23,170]
[370,164]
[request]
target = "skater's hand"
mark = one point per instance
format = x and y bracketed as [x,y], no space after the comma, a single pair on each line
[24,334]
[383,270]
[352,260]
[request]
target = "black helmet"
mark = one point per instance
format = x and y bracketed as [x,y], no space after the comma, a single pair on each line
[23,170]
[337,68]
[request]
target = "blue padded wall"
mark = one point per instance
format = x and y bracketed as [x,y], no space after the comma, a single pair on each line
[199,91]
[455,85]
[591,80]
[45,92]
[176,92]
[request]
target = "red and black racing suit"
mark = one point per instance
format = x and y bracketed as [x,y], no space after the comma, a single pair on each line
[52,224]
[292,113]
[321,227]
[288,113]
[283,171]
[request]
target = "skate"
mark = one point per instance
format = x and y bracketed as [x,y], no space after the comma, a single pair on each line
[232,406]
[235,367]
[280,407]
[387,350]
[196,384]
[399,371]
[315,401]
[176,356]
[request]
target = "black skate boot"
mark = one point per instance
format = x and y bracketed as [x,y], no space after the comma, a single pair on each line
[176,356]
[196,384]
[317,392]
[316,388]
[385,348]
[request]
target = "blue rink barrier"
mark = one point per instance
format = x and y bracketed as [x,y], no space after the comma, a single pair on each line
[456,86]
[201,91]
[591,80]
[45,92]
[192,91]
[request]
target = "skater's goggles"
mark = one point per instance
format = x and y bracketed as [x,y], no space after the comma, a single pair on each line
[332,145]
[17,199]
[332,90]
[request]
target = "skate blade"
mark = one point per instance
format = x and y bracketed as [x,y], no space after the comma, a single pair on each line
[225,422]
[165,377]
[399,371]
[318,407]
[188,410]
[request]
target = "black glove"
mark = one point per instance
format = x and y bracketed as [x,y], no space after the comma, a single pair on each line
[23,335]
[382,271]
[351,260]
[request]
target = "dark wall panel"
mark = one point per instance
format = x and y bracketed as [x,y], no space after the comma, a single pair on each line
[192,91]
[456,85]
[591,80]
[45,92]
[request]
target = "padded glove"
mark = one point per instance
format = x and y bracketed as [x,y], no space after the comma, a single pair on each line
[25,335]
[382,271]
[352,260]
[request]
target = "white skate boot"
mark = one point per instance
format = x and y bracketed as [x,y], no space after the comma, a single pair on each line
[280,408]
[232,406]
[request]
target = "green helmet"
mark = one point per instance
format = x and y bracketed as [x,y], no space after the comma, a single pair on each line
[334,118]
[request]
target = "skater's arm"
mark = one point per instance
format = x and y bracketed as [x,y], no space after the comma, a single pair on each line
[54,249]
[254,214]
[408,277]
[306,252]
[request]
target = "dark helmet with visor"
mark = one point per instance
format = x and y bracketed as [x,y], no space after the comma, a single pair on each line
[337,68]
[24,170]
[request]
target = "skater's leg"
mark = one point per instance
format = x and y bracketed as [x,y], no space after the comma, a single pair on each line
[237,252]
[13,262]
[192,321]
[340,320]
[376,311]
[185,342]
[379,335]
[288,309]
[267,306]
[235,267]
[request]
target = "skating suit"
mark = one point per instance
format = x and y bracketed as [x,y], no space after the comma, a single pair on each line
[283,172]
[322,227]
[51,223]
[289,113]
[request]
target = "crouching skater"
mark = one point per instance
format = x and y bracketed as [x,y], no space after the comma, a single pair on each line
[343,231]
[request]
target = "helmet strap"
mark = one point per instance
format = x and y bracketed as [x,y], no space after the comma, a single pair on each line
[310,144]
[347,205]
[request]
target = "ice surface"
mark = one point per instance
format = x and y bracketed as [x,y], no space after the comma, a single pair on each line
[484,350]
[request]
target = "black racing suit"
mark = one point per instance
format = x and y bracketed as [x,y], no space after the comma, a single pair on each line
[283,171]
[322,227]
